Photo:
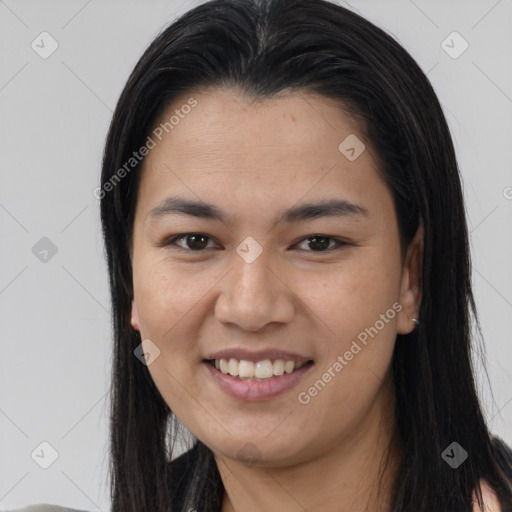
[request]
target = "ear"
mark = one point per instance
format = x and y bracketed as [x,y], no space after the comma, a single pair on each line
[410,291]
[135,316]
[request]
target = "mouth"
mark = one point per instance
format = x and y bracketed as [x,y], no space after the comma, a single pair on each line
[252,381]
[251,371]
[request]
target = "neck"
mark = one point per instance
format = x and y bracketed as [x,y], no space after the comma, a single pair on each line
[355,474]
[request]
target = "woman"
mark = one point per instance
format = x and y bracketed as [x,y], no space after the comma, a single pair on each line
[290,274]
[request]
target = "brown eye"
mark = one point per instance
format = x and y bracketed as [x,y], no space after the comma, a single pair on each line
[192,241]
[320,243]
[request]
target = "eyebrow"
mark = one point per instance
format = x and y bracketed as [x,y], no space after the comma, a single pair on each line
[308,211]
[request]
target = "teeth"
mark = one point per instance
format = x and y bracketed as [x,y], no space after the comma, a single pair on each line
[279,367]
[224,366]
[262,370]
[245,369]
[233,367]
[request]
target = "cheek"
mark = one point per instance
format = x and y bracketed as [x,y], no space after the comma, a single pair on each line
[351,296]
[164,296]
[357,307]
[171,302]
[166,300]
[163,301]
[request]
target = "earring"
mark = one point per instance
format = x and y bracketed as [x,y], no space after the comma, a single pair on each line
[416,321]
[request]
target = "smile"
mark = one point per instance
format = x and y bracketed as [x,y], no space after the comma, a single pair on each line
[256,371]
[279,376]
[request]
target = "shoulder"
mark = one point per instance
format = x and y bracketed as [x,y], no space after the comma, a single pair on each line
[45,508]
[490,500]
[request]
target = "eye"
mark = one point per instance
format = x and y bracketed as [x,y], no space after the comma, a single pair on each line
[199,241]
[193,241]
[320,243]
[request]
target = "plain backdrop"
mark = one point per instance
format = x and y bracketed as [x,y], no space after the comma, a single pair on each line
[54,303]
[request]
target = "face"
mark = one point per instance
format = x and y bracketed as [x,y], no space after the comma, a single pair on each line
[303,302]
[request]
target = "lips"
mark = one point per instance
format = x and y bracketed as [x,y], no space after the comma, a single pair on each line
[256,375]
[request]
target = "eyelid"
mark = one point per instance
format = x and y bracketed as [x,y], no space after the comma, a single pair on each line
[168,242]
[339,243]
[171,241]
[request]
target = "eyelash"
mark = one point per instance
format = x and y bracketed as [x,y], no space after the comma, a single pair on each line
[171,241]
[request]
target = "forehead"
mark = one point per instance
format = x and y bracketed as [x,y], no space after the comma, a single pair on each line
[225,123]
[232,149]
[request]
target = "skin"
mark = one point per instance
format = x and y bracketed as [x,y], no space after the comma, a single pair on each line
[253,160]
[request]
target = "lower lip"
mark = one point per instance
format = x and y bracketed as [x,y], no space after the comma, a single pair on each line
[256,390]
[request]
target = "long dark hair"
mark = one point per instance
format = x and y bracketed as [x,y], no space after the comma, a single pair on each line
[263,47]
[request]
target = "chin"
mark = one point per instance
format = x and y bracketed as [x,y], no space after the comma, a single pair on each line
[259,451]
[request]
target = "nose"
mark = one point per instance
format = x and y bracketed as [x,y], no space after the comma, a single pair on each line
[254,294]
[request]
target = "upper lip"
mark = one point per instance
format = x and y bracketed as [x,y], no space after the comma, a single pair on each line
[257,355]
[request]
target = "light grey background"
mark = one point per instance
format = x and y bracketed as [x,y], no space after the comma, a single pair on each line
[55,112]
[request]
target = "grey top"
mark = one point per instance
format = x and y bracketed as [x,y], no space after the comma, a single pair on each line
[45,508]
